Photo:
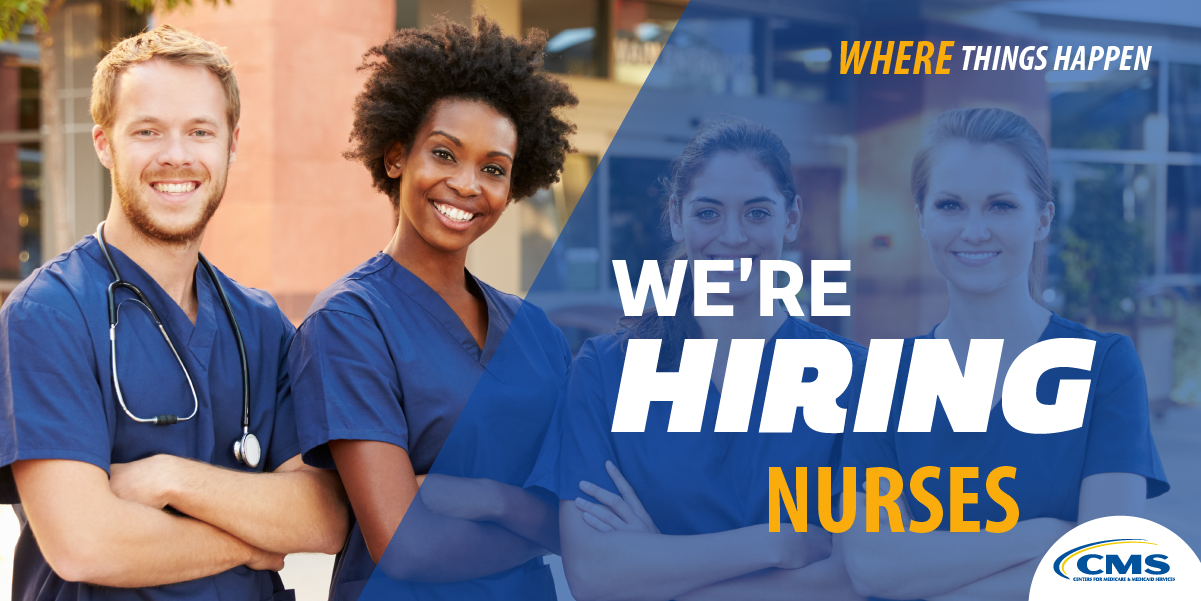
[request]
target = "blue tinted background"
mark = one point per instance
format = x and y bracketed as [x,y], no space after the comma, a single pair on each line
[1125,247]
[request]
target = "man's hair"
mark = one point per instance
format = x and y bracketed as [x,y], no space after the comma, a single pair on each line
[172,45]
[416,68]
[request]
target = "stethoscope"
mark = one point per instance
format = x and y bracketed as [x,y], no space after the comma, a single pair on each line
[246,449]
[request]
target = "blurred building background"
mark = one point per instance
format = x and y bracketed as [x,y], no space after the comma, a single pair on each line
[1125,253]
[1125,148]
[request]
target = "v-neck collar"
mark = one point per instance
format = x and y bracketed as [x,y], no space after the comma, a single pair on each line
[1054,321]
[767,346]
[198,337]
[416,289]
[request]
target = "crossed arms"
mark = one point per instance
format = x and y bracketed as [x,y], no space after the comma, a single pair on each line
[455,529]
[613,551]
[946,566]
[115,533]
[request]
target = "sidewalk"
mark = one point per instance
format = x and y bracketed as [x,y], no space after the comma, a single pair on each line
[309,575]
[1178,437]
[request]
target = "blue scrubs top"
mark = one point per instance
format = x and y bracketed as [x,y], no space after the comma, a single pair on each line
[1115,437]
[57,399]
[689,482]
[382,357]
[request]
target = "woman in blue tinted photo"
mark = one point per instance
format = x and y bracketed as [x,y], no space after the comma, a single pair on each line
[983,188]
[454,126]
[686,516]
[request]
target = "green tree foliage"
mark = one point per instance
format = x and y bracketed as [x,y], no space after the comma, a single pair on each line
[16,13]
[1103,255]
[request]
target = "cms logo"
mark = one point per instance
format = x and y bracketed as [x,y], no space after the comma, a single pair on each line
[1102,557]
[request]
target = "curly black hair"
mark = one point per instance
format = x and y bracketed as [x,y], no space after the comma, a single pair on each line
[416,68]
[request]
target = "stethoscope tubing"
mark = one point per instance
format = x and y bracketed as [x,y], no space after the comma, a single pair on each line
[233,321]
[113,318]
[160,419]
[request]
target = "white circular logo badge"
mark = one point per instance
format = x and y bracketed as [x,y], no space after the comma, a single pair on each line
[1118,557]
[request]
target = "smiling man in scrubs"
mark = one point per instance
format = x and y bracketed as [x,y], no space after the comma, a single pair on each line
[93,479]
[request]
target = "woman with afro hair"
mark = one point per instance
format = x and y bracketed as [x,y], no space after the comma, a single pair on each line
[454,126]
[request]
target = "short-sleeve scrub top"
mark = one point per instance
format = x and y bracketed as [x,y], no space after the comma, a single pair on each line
[689,482]
[382,357]
[57,399]
[1115,437]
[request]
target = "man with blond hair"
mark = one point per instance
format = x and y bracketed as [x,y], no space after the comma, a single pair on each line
[145,410]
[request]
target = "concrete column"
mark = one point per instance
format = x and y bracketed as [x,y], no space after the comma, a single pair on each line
[74,197]
[296,215]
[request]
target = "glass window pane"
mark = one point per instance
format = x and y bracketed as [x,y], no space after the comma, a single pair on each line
[30,115]
[1184,108]
[539,226]
[20,209]
[1184,219]
[642,30]
[714,54]
[1102,109]
[10,209]
[572,28]
[542,218]
[802,55]
[635,210]
[30,256]
[20,164]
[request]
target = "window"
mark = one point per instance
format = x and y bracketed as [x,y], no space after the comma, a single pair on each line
[740,55]
[1118,134]
[1103,110]
[1184,109]
[577,42]
[802,55]
[542,218]
[20,158]
[714,54]
[1184,219]
[642,31]
[635,212]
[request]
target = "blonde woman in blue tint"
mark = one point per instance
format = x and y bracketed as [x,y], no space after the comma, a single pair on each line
[983,189]
[697,526]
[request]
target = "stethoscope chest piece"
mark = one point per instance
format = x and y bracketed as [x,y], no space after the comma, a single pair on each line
[247,450]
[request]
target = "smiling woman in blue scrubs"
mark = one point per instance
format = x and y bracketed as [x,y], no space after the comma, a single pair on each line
[982,185]
[696,527]
[454,127]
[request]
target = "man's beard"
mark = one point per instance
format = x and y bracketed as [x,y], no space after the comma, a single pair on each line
[134,206]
